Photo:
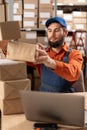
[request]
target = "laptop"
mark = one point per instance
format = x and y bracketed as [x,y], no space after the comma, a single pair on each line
[60,108]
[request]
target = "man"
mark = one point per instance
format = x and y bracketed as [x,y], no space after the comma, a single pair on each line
[58,65]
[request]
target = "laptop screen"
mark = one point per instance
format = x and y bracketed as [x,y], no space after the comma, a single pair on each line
[60,108]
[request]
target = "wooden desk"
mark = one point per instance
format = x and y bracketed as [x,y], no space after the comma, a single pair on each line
[19,122]
[15,122]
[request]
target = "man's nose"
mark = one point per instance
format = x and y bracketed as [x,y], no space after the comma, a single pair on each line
[52,34]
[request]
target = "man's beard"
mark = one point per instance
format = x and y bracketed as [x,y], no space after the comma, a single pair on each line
[57,43]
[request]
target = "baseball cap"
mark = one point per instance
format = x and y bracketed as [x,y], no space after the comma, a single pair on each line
[57,20]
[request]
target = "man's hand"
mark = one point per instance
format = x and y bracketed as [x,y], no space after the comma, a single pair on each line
[43,57]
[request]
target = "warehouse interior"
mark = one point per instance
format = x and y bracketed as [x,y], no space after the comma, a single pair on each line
[29,17]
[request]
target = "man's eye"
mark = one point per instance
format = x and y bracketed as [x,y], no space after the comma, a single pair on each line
[57,30]
[49,31]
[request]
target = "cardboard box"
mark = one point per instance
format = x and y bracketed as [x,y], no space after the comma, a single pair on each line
[79,14]
[9,30]
[45,3]
[24,51]
[11,106]
[42,22]
[58,13]
[10,89]
[30,13]
[79,26]
[68,17]
[18,17]
[84,2]
[17,7]
[79,2]
[30,23]
[79,20]
[30,4]
[59,1]
[45,12]
[2,14]
[12,70]
[28,36]
[1,1]
[76,2]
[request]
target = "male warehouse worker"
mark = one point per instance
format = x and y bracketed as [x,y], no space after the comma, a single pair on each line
[58,65]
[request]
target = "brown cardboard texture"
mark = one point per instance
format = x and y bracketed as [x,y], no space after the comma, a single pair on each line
[10,89]
[9,30]
[12,70]
[13,106]
[21,51]
[2,14]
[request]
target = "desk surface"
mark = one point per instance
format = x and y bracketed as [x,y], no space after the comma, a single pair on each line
[18,122]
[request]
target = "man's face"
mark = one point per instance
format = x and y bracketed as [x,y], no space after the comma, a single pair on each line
[56,34]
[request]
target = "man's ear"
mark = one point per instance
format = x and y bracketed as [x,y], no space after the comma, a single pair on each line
[66,33]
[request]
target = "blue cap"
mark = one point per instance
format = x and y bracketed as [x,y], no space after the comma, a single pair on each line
[57,20]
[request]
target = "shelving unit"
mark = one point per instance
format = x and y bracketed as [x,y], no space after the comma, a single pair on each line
[80,43]
[67,8]
[11,8]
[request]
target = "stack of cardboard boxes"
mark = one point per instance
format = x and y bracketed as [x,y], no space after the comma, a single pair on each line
[4,9]
[27,14]
[18,12]
[35,13]
[13,78]
[30,13]
[13,74]
[80,2]
[77,18]
[45,12]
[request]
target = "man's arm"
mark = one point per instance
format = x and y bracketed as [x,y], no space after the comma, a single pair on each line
[70,71]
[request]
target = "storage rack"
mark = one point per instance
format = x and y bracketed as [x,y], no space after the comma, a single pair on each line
[66,8]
